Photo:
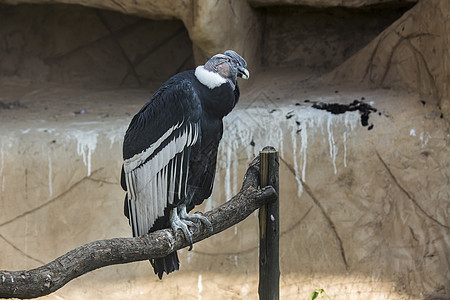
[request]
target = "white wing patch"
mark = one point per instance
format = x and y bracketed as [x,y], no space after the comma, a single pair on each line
[149,187]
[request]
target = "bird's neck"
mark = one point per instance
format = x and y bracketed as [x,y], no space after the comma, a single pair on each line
[208,78]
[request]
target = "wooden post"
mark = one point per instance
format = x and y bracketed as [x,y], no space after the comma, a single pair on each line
[269,265]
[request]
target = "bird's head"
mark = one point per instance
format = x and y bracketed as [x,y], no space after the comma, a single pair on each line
[229,66]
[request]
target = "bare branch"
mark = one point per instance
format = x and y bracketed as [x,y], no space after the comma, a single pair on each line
[52,276]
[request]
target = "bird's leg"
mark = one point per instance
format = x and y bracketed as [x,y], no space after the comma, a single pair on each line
[177,223]
[194,217]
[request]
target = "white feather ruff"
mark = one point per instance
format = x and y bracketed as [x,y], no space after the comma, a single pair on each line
[149,188]
[208,78]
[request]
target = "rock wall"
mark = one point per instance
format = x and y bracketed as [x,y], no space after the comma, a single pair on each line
[317,40]
[412,55]
[364,207]
[89,47]
[356,218]
[212,25]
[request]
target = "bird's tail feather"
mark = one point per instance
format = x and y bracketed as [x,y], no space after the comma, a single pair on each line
[166,264]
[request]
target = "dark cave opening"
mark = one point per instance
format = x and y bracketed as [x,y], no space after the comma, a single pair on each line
[319,39]
[88,47]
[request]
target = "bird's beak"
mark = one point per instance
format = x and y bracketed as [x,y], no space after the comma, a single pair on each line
[243,72]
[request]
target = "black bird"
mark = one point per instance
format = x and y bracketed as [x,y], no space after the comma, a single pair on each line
[170,149]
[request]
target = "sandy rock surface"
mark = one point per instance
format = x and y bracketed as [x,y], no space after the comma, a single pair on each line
[364,203]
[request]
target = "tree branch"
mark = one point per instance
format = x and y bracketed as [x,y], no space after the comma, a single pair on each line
[52,276]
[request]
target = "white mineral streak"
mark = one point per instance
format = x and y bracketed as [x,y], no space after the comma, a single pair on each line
[115,135]
[209,204]
[294,150]
[245,291]
[424,138]
[303,148]
[332,144]
[247,131]
[188,257]
[200,286]
[346,122]
[86,144]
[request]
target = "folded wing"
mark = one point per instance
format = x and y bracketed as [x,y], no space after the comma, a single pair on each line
[157,149]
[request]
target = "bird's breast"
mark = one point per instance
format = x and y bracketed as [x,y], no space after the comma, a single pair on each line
[218,102]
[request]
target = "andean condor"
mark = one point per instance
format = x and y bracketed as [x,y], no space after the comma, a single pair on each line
[170,149]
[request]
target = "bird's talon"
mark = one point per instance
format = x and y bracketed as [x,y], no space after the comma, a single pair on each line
[189,223]
[177,223]
[198,216]
[194,226]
